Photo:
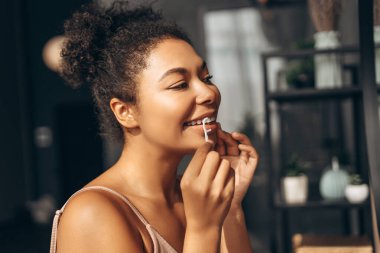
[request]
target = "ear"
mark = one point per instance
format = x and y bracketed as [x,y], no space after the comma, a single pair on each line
[124,113]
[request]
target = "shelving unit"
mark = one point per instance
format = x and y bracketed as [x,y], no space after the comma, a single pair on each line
[309,94]
[357,92]
[348,92]
[322,204]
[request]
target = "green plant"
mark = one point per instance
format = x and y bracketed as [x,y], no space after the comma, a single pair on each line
[300,73]
[355,179]
[295,167]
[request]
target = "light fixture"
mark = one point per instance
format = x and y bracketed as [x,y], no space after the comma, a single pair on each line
[51,53]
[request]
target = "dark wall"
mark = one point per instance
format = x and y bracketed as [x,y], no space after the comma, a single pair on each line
[13,152]
[29,97]
[45,20]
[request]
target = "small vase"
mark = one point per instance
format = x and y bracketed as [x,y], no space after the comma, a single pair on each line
[333,182]
[356,193]
[295,189]
[328,70]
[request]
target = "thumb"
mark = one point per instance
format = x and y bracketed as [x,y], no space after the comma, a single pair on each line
[196,163]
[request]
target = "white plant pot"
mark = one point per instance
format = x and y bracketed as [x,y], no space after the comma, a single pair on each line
[356,193]
[328,69]
[295,189]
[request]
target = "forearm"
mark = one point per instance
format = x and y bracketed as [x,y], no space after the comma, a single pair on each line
[234,233]
[207,241]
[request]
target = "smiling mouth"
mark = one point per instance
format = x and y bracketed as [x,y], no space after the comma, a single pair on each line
[209,120]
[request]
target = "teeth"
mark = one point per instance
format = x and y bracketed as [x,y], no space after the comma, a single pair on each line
[199,122]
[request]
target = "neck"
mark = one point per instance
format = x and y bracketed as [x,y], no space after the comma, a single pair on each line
[148,172]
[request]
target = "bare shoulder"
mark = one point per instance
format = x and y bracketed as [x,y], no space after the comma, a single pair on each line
[96,221]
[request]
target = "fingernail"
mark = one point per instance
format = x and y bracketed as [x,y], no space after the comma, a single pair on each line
[211,142]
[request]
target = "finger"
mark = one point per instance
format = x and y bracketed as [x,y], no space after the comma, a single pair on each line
[196,163]
[251,162]
[243,154]
[233,159]
[249,150]
[220,147]
[231,144]
[230,186]
[242,138]
[222,175]
[210,166]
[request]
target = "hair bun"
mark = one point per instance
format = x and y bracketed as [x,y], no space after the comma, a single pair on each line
[89,30]
[86,33]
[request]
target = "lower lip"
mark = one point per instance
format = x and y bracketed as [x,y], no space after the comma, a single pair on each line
[212,126]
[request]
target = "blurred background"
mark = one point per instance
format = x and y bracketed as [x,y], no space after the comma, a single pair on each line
[297,76]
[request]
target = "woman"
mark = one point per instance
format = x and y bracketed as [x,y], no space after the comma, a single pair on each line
[152,91]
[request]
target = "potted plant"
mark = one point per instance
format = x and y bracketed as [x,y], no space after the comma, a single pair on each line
[356,191]
[300,72]
[325,16]
[295,182]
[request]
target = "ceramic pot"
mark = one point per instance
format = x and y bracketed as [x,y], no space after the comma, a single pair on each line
[328,70]
[295,189]
[333,182]
[356,193]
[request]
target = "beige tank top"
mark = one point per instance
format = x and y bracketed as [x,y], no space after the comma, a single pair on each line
[160,245]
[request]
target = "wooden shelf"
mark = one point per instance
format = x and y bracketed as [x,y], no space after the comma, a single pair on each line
[344,204]
[307,94]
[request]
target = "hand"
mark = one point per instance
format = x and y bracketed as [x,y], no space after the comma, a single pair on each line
[237,148]
[207,189]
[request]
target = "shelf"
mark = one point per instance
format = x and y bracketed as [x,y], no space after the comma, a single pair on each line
[307,94]
[293,54]
[344,204]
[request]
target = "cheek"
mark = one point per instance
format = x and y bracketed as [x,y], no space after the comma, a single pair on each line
[160,114]
[218,96]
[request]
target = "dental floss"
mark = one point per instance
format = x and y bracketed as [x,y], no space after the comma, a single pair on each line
[204,128]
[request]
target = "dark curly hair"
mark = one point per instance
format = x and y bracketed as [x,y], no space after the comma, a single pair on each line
[107,49]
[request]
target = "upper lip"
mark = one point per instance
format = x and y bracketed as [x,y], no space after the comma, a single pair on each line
[202,116]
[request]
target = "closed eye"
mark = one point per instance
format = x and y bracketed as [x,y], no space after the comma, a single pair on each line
[180,86]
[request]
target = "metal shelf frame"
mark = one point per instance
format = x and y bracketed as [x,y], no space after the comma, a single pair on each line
[364,95]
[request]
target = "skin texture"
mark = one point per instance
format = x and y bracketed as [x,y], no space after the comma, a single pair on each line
[190,214]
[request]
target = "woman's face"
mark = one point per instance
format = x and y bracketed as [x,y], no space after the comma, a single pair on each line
[175,90]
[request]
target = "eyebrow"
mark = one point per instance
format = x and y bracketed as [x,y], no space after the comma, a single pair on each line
[181,70]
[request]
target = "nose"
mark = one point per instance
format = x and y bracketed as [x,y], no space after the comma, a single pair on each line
[206,93]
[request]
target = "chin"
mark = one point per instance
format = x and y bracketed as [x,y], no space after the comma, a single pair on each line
[195,144]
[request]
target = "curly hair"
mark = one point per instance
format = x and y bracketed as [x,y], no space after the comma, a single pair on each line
[107,49]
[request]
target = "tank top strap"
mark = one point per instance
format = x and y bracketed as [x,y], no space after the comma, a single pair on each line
[58,213]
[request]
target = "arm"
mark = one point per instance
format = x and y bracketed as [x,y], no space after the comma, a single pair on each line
[237,148]
[235,237]
[207,188]
[207,240]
